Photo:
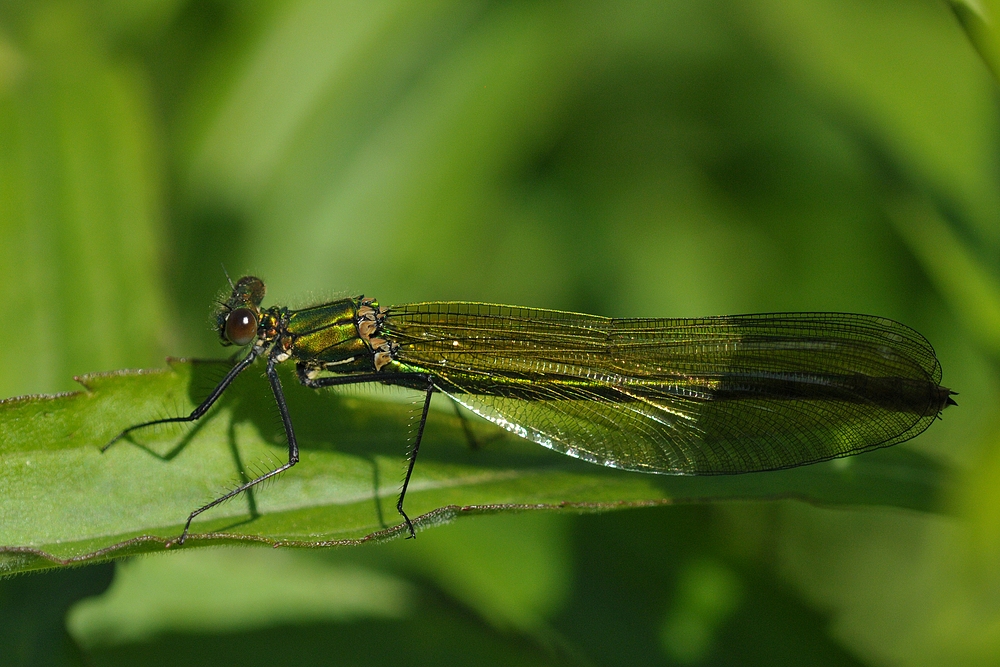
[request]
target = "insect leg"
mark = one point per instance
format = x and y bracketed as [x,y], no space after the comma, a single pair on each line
[404,379]
[413,456]
[293,450]
[469,436]
[199,411]
[411,380]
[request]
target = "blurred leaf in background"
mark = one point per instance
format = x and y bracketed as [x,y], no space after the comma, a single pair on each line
[81,193]
[621,158]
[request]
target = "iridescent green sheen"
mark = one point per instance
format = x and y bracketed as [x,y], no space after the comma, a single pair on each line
[328,334]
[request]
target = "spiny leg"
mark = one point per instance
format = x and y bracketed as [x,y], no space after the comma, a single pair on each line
[293,451]
[403,379]
[199,411]
[411,380]
[413,456]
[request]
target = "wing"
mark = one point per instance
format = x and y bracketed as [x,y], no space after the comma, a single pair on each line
[710,395]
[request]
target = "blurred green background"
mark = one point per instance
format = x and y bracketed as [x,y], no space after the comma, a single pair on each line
[621,158]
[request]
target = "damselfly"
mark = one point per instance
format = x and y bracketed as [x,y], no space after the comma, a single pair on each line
[704,396]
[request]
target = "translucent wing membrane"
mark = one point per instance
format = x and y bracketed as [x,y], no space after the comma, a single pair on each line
[710,395]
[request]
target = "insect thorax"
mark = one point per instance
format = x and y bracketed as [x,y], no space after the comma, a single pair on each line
[340,336]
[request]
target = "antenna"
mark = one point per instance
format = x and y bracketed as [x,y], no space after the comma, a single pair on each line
[231,285]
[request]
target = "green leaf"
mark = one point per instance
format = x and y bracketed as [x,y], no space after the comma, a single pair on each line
[953,266]
[64,502]
[978,19]
[80,204]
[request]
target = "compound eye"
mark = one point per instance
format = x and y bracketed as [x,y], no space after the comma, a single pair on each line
[241,326]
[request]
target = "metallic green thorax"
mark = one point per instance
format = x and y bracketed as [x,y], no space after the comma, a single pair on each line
[327,337]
